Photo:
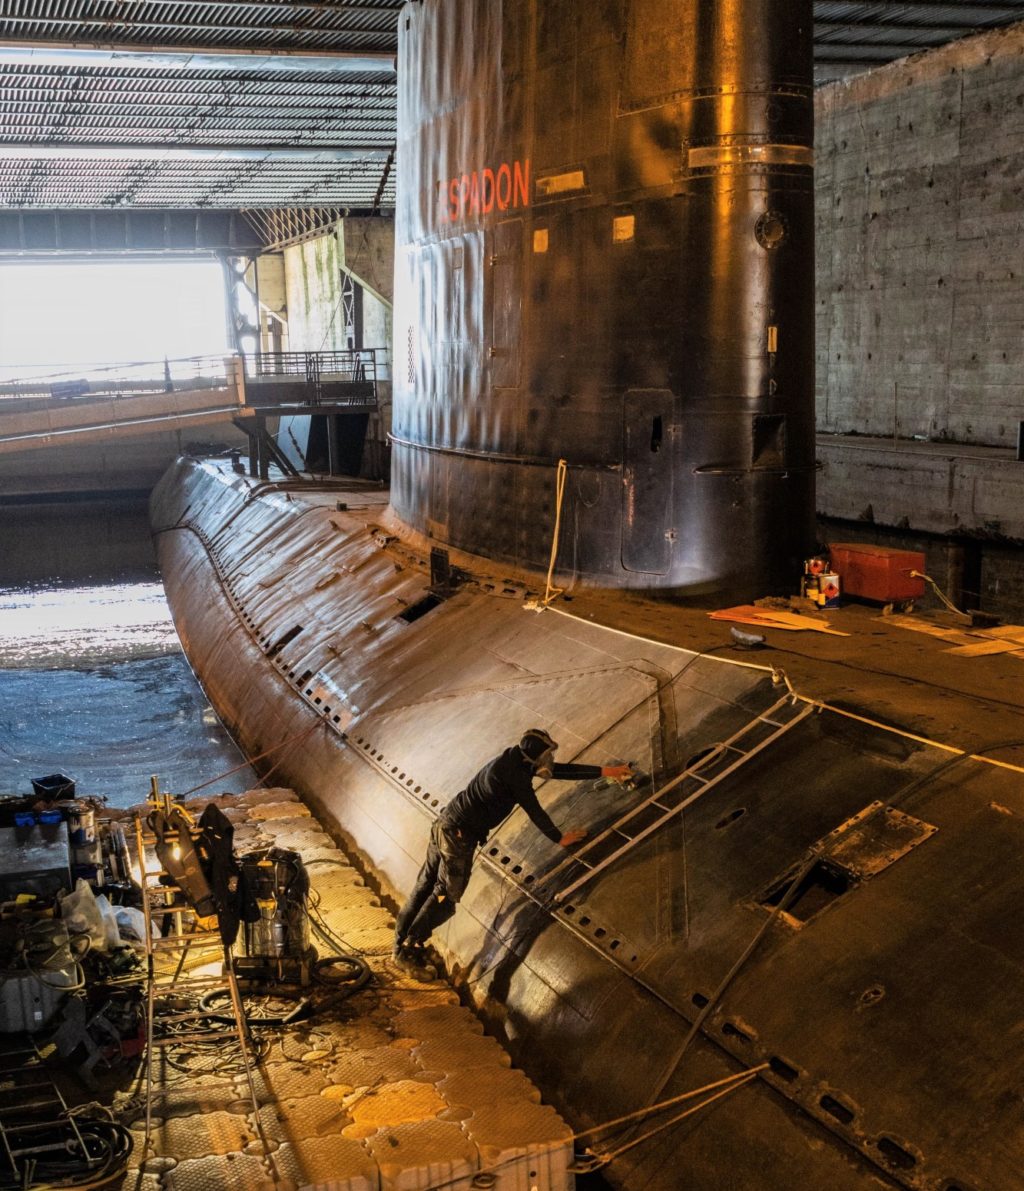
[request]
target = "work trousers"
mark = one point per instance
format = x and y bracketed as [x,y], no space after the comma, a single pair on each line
[441,883]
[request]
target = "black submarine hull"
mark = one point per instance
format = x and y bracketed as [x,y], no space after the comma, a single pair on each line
[881,1009]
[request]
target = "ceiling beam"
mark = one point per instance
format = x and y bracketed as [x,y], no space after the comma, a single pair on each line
[345,7]
[106,231]
[929,11]
[131,24]
[894,32]
[14,52]
[161,151]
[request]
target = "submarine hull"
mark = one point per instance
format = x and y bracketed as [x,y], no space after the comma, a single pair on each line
[307,629]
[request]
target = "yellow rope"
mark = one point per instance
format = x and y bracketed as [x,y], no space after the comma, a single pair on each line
[662,1104]
[779,676]
[550,591]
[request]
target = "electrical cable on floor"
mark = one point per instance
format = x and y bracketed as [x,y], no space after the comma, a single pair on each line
[938,591]
[108,1146]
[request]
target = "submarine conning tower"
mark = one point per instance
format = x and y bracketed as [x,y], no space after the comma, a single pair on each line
[605,255]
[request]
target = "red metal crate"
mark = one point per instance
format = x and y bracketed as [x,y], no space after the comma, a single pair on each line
[877,572]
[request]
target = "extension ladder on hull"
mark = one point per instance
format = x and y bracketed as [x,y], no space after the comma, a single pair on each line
[167,981]
[718,763]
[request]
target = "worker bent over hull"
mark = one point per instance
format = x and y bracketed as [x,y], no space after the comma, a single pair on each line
[489,797]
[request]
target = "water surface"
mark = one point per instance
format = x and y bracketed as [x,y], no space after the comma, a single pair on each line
[93,682]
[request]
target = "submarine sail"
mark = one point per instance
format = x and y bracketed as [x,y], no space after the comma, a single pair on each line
[604,253]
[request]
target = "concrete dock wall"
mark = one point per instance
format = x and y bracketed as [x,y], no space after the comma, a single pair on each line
[920,262]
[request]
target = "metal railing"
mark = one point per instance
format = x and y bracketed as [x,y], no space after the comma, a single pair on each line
[121,379]
[335,378]
[355,364]
[344,377]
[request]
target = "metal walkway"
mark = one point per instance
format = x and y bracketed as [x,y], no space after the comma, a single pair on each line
[121,401]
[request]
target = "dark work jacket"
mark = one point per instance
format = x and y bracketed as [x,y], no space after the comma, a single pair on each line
[503,784]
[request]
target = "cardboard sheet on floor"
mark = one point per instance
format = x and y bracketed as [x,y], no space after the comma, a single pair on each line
[930,628]
[978,649]
[1005,632]
[769,618]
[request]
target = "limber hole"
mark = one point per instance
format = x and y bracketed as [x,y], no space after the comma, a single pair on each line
[782,1069]
[731,817]
[287,639]
[895,1154]
[699,999]
[732,1031]
[700,755]
[835,1109]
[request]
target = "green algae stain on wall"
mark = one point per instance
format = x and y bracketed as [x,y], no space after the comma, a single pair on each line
[313,284]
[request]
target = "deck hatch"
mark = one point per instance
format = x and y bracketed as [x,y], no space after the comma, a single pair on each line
[857,850]
[869,842]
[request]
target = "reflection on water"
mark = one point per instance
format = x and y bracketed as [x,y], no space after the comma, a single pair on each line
[79,626]
[110,726]
[93,682]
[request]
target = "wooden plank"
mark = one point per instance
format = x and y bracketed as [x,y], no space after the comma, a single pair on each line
[771,619]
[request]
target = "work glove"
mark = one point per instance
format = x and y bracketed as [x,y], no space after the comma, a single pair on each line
[572,837]
[618,773]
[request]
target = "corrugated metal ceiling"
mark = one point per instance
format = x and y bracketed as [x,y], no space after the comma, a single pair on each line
[850,38]
[274,103]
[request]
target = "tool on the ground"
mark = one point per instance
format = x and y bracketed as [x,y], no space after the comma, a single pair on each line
[41,1141]
[274,891]
[171,987]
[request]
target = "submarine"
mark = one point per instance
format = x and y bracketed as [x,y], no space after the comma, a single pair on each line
[791,956]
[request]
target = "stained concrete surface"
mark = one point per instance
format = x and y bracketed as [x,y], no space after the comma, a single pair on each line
[918,263]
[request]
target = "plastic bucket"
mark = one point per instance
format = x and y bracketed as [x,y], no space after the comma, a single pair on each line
[54,786]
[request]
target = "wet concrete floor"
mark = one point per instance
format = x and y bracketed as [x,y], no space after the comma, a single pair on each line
[93,682]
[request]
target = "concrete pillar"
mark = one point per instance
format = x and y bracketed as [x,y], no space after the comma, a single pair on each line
[273,298]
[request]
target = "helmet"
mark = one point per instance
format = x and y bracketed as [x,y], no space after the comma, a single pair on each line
[535,743]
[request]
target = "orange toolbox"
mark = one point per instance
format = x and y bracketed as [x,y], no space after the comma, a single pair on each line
[877,572]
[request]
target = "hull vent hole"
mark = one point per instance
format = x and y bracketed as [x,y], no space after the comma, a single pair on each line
[420,608]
